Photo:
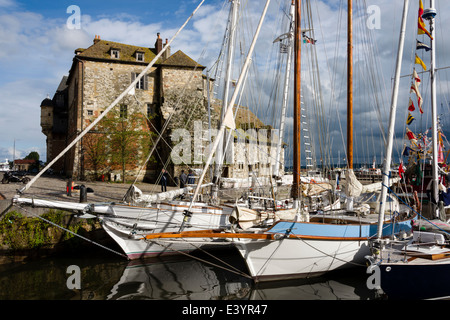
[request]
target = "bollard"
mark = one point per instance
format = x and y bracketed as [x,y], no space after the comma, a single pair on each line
[69,187]
[83,194]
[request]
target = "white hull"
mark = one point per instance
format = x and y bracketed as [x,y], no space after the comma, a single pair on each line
[136,248]
[168,217]
[128,225]
[299,258]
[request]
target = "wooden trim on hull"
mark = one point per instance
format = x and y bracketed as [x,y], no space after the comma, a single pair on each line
[255,236]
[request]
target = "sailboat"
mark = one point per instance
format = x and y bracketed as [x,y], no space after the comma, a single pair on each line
[311,243]
[283,244]
[415,268]
[140,214]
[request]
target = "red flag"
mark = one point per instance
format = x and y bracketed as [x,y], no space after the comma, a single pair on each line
[401,169]
[410,134]
[411,105]
[421,25]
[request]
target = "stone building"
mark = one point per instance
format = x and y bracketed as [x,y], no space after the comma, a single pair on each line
[98,75]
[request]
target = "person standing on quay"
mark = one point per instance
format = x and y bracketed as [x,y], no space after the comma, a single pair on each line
[183,179]
[164,180]
[190,177]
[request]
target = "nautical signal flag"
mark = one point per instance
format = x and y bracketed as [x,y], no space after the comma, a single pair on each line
[401,169]
[410,135]
[421,45]
[419,61]
[415,89]
[416,77]
[307,39]
[421,25]
[440,154]
[410,119]
[406,151]
[411,105]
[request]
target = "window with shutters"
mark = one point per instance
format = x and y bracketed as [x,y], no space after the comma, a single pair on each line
[123,111]
[142,83]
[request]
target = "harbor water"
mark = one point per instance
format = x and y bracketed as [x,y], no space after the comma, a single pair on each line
[105,276]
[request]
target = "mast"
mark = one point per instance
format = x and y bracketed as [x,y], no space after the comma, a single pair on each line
[435,177]
[228,114]
[350,85]
[225,104]
[390,142]
[285,93]
[297,112]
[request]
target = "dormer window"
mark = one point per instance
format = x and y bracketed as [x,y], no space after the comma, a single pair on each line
[115,53]
[139,56]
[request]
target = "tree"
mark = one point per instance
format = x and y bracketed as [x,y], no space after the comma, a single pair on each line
[95,146]
[128,138]
[33,155]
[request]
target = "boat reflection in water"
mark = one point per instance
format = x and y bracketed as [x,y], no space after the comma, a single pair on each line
[341,285]
[175,278]
[180,278]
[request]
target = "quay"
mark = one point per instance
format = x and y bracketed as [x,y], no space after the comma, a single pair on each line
[24,236]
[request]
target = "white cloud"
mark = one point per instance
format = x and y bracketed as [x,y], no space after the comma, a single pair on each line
[37,51]
[7,3]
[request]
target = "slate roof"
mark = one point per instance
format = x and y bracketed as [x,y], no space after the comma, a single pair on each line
[101,49]
[180,59]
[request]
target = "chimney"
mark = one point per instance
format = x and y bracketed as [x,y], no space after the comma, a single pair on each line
[158,44]
[96,39]
[166,53]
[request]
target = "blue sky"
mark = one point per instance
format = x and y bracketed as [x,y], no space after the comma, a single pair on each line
[37,50]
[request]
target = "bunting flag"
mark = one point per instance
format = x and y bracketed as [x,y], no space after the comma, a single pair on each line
[419,61]
[441,150]
[415,89]
[440,154]
[410,135]
[410,119]
[406,151]
[307,39]
[416,77]
[421,45]
[421,25]
[411,105]
[401,169]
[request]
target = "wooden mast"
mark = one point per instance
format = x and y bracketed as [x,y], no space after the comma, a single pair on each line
[297,111]
[350,86]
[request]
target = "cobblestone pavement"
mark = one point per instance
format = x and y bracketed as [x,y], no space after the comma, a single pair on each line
[54,187]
